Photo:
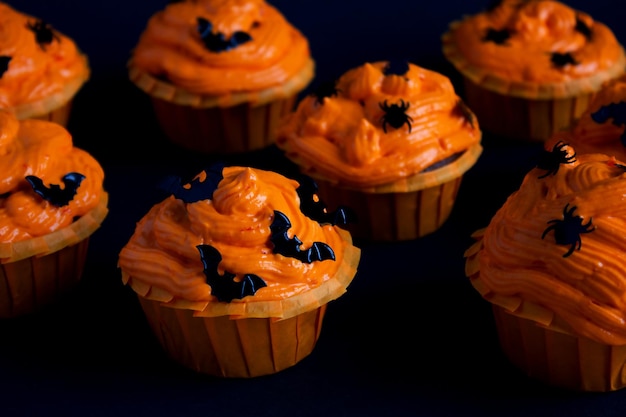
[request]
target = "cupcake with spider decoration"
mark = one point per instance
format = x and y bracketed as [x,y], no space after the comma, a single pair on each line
[221,73]
[51,201]
[551,263]
[390,139]
[41,69]
[531,67]
[234,269]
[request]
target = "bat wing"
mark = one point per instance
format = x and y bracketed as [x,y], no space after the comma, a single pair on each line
[55,194]
[197,190]
[318,251]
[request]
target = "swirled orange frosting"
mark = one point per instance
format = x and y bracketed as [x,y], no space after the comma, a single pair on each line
[163,253]
[171,47]
[536,29]
[516,261]
[36,71]
[592,134]
[43,149]
[346,137]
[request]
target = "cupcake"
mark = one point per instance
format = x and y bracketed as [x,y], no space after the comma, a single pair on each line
[600,128]
[530,67]
[234,270]
[551,262]
[391,140]
[41,69]
[221,73]
[51,202]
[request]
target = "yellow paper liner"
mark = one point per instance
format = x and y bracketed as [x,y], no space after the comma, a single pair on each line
[163,90]
[277,309]
[542,345]
[52,242]
[414,182]
[528,90]
[58,100]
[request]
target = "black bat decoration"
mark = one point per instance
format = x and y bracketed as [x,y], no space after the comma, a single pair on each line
[325,89]
[198,190]
[225,287]
[396,67]
[217,42]
[4,64]
[316,209]
[614,111]
[562,59]
[44,35]
[290,247]
[55,194]
[499,37]
[582,28]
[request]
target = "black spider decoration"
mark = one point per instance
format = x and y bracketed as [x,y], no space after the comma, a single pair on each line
[550,161]
[582,28]
[567,231]
[562,59]
[197,190]
[325,89]
[44,34]
[54,193]
[395,115]
[614,111]
[225,287]
[462,109]
[217,42]
[290,247]
[396,67]
[499,37]
[4,64]
[316,209]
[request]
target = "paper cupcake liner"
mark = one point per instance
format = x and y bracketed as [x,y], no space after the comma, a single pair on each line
[394,216]
[223,347]
[520,118]
[545,347]
[276,310]
[233,129]
[36,272]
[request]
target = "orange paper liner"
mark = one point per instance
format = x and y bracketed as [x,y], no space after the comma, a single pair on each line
[524,89]
[249,308]
[229,348]
[42,109]
[52,242]
[545,347]
[394,216]
[163,90]
[234,129]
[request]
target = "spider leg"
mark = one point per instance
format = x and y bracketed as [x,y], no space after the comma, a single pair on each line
[571,250]
[548,229]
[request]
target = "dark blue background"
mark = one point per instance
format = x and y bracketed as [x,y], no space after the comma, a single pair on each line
[410,338]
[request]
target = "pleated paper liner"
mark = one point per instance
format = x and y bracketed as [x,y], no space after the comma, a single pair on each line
[56,107]
[36,272]
[232,123]
[525,111]
[242,339]
[407,209]
[545,348]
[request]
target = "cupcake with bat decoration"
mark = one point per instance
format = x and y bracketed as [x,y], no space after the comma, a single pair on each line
[531,67]
[390,139]
[551,262]
[41,69]
[235,268]
[221,73]
[51,201]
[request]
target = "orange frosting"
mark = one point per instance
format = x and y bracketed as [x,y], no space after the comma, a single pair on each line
[171,47]
[36,72]
[43,149]
[516,268]
[343,136]
[162,252]
[587,135]
[536,30]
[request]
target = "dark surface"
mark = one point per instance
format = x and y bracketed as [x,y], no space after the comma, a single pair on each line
[411,337]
